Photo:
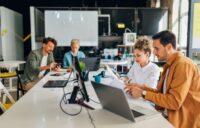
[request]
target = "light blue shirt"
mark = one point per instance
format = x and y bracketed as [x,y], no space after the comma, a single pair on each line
[67,61]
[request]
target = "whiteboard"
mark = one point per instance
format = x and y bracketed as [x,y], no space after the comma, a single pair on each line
[67,25]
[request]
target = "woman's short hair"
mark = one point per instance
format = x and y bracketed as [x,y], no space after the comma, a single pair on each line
[144,43]
[75,41]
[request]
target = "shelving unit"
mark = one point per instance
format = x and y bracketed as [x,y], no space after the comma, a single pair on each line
[126,48]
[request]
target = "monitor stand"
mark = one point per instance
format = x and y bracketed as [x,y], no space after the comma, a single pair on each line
[73,100]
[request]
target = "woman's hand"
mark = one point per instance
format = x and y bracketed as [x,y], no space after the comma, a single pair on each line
[136,85]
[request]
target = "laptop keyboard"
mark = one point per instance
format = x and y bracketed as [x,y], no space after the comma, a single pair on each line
[136,114]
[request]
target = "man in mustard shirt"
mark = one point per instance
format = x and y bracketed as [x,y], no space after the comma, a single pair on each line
[178,91]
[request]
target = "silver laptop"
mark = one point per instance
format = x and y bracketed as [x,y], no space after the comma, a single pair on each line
[114,100]
[114,74]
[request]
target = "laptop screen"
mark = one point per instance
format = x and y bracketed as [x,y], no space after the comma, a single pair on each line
[92,63]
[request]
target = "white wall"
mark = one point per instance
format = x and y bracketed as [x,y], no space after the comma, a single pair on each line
[12,37]
[0,35]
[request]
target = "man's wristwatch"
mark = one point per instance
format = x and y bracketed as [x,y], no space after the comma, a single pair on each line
[144,93]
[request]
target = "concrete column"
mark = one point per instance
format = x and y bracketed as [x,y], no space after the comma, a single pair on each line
[168,4]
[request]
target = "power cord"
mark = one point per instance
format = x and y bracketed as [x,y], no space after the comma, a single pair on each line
[66,102]
[91,119]
[95,101]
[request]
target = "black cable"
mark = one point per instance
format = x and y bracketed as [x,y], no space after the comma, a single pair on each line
[64,99]
[64,110]
[91,119]
[95,101]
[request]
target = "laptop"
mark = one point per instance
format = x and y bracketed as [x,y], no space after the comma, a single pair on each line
[108,96]
[92,63]
[55,84]
[113,73]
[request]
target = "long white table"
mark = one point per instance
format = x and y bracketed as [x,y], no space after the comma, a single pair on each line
[39,108]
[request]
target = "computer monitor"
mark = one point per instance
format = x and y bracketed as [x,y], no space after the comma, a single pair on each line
[80,79]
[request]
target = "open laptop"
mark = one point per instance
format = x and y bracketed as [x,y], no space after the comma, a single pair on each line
[114,100]
[92,63]
[55,84]
[113,73]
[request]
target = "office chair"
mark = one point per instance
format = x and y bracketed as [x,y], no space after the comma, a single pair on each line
[3,105]
[5,74]
[19,83]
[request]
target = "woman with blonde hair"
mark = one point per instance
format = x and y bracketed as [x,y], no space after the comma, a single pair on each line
[75,45]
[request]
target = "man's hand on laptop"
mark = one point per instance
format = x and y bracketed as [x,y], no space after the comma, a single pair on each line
[135,91]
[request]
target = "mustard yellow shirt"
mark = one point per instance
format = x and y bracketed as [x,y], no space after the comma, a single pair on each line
[182,98]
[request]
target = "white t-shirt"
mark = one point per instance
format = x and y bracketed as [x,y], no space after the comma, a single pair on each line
[148,74]
[43,63]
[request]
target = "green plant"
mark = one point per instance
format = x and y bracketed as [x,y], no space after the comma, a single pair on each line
[82,66]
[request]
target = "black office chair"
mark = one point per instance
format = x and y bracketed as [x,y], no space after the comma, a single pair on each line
[19,83]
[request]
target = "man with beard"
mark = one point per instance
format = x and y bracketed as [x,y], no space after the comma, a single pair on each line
[39,62]
[178,91]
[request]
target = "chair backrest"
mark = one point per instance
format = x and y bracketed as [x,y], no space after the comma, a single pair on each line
[5,92]
[19,82]
[19,73]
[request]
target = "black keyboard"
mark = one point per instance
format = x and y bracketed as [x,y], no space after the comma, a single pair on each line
[136,114]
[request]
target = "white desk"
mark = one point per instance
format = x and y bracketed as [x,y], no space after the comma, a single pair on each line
[113,62]
[10,65]
[39,108]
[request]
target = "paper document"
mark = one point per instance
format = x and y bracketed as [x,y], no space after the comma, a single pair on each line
[117,83]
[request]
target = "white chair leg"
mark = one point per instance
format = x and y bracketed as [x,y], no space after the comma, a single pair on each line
[4,98]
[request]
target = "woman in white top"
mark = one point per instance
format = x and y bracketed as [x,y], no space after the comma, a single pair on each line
[143,72]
